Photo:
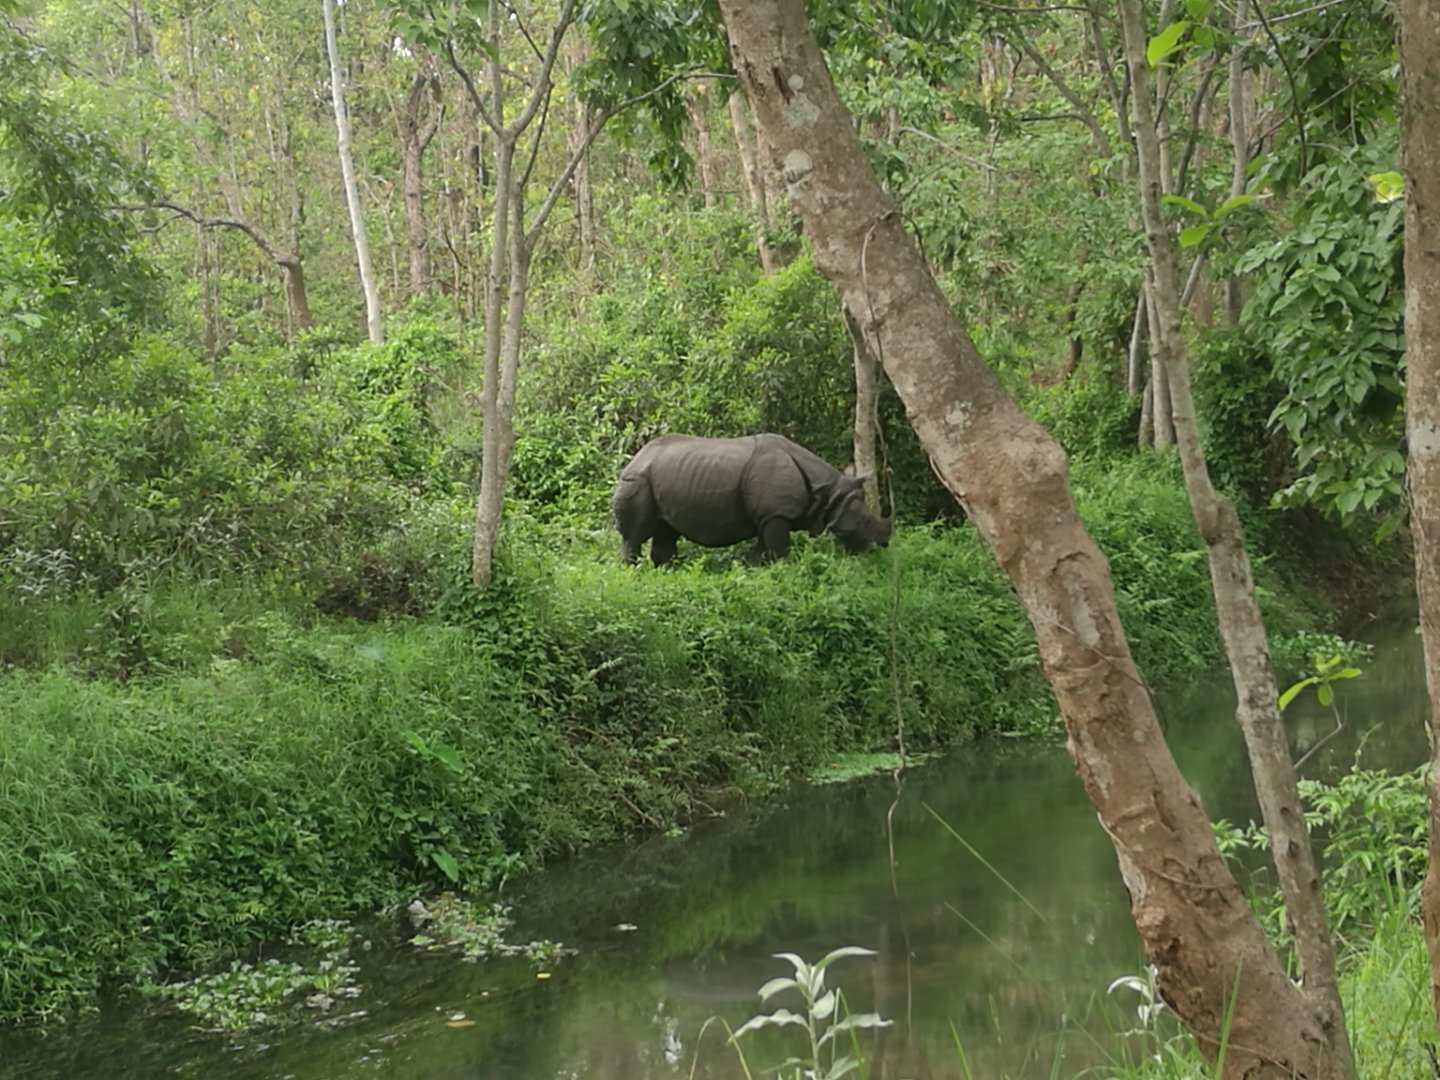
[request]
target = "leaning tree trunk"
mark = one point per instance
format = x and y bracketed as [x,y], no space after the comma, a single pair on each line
[373,325]
[1010,476]
[1420,57]
[1241,627]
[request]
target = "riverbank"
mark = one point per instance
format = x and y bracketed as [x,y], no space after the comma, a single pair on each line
[223,765]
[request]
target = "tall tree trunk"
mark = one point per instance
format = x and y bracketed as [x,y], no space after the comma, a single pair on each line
[697,104]
[1241,626]
[415,136]
[1138,327]
[1010,476]
[746,145]
[1239,144]
[1162,416]
[373,325]
[867,410]
[584,187]
[1420,59]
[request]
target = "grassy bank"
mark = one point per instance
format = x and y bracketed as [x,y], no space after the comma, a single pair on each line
[216,763]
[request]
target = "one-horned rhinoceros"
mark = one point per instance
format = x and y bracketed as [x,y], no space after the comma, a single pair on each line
[718,492]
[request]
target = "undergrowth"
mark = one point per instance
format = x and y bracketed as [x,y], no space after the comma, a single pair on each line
[198,766]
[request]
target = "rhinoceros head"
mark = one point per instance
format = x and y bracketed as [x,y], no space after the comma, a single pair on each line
[850,519]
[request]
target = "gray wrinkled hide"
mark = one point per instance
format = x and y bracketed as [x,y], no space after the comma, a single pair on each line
[718,492]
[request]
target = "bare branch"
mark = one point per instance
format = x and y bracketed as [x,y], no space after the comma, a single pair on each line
[533,233]
[1084,113]
[942,143]
[475,99]
[541,88]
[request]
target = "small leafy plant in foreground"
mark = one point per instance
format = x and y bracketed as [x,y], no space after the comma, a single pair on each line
[824,1019]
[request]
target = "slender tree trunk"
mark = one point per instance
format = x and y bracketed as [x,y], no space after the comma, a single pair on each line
[1162,407]
[1010,476]
[373,325]
[1420,59]
[1239,144]
[1241,626]
[415,137]
[867,412]
[584,188]
[296,298]
[1135,362]
[492,473]
[745,144]
[697,106]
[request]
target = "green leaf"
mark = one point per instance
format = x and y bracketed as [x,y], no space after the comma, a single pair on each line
[1289,695]
[774,986]
[446,862]
[841,953]
[1204,37]
[779,1018]
[1233,203]
[1194,235]
[1326,694]
[1389,186]
[1198,9]
[1165,42]
[1189,204]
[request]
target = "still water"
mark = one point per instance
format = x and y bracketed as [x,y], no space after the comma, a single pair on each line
[674,931]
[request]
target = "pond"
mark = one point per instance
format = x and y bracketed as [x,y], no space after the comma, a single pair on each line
[676,930]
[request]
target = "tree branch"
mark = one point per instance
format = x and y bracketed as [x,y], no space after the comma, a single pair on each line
[601,119]
[1083,111]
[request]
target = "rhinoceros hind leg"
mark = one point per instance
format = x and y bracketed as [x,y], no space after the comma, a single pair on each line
[662,546]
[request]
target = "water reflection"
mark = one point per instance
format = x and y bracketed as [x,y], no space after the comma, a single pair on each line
[1023,988]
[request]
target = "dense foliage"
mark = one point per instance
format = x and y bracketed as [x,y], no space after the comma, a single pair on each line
[246,679]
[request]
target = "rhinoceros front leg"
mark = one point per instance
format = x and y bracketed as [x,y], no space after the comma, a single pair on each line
[774,540]
[662,546]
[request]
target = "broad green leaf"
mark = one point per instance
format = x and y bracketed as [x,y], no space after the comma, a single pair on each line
[1290,694]
[1204,37]
[1233,203]
[1165,42]
[1189,204]
[1347,673]
[1326,694]
[1198,9]
[1194,235]
[446,862]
